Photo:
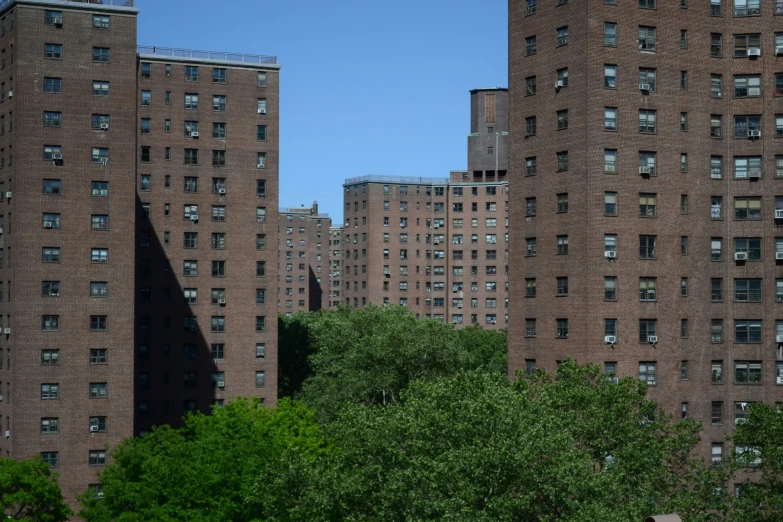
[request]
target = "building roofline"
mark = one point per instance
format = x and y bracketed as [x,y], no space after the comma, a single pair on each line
[168,54]
[114,6]
[482,89]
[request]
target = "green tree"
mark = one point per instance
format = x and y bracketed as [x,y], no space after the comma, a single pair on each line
[205,470]
[29,491]
[759,463]
[475,447]
[369,356]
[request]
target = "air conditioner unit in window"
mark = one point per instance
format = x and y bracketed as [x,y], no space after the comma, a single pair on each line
[459,306]
[754,174]
[260,166]
[613,380]
[652,339]
[437,242]
[48,224]
[221,191]
[610,339]
[221,301]
[740,256]
[644,87]
[779,213]
[7,434]
[1,230]
[779,50]
[493,321]
[610,124]
[754,134]
[779,380]
[221,384]
[194,135]
[7,331]
[779,338]
[754,91]
[754,52]
[261,111]
[93,429]
[645,170]
[558,84]
[610,254]
[9,194]
[57,156]
[104,126]
[778,256]
[10,94]
[437,226]
[194,217]
[651,295]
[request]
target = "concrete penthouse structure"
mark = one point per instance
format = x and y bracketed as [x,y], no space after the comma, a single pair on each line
[647,195]
[132,220]
[303,259]
[335,266]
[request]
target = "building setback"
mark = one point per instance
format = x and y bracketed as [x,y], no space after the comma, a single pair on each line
[647,197]
[127,309]
[303,259]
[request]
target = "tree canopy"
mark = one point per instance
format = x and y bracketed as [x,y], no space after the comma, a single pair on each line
[30,492]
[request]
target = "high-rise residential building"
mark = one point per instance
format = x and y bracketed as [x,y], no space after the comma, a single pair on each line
[335,266]
[132,220]
[647,198]
[436,245]
[303,260]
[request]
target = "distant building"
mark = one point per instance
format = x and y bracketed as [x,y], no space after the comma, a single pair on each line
[303,259]
[335,266]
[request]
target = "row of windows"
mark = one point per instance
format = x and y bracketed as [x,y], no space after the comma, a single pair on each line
[191,101]
[51,17]
[745,331]
[52,458]
[192,74]
[190,380]
[191,129]
[429,190]
[190,352]
[51,425]
[741,7]
[191,156]
[54,51]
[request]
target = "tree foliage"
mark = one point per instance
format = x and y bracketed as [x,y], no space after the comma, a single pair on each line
[29,491]
[475,447]
[206,470]
[369,356]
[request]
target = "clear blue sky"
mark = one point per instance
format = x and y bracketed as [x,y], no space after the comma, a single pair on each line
[367,86]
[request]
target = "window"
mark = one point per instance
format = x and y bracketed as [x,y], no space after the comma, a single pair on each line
[146,69]
[218,75]
[562,329]
[100,21]
[100,222]
[747,331]
[562,78]
[100,54]
[562,36]
[610,76]
[647,40]
[647,205]
[716,292]
[50,357]
[717,413]
[530,86]
[98,390]
[747,86]
[98,356]
[683,81]
[51,458]
[683,39]
[749,246]
[530,206]
[716,331]
[191,101]
[218,324]
[99,255]
[50,425]
[191,73]
[747,372]
[716,167]
[747,290]
[648,289]
[219,103]
[562,203]
[53,17]
[716,126]
[260,268]
[191,157]
[97,457]
[98,323]
[745,127]
[610,288]
[716,207]
[261,158]
[647,162]
[562,286]
[562,119]
[50,289]
[53,85]
[610,34]
[530,246]
[53,51]
[530,126]
[562,161]
[100,155]
[260,323]
[647,372]
[610,118]
[610,203]
[562,245]
[51,221]
[716,249]
[716,85]
[530,287]
[51,186]
[530,45]
[647,78]
[747,208]
[50,391]
[747,7]
[647,123]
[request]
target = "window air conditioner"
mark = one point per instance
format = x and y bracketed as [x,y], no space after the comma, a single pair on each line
[493,321]
[651,295]
[644,87]
[754,174]
[194,135]
[93,429]
[779,50]
[779,380]
[9,194]
[7,433]
[221,301]
[1,230]
[558,84]
[754,52]
[47,224]
[459,306]
[778,256]
[610,339]
[610,254]
[437,242]
[194,217]
[645,170]
[754,134]
[221,191]
[260,166]
[261,111]
[104,126]
[779,338]
[740,256]
[652,339]
[754,91]
[221,384]
[57,156]
[7,331]
[614,380]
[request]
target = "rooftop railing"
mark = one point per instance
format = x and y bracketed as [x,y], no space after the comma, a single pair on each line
[396,179]
[116,3]
[206,55]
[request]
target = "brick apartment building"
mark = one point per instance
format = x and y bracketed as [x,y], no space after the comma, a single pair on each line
[303,260]
[647,198]
[335,266]
[436,245]
[132,219]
